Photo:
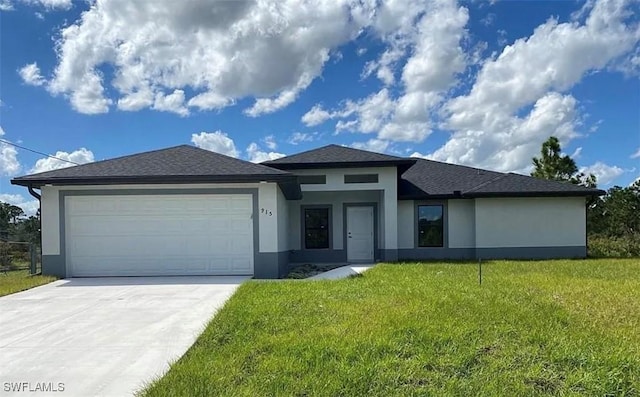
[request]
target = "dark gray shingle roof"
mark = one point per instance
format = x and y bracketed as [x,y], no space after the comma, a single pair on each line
[514,184]
[177,164]
[429,178]
[335,156]
[420,179]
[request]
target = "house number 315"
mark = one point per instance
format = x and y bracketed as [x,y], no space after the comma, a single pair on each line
[266,211]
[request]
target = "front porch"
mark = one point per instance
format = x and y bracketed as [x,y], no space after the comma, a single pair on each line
[341,227]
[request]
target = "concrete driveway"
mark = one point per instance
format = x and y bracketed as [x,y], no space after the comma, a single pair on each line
[102,336]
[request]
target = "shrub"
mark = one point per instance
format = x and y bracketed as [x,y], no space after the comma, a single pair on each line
[614,247]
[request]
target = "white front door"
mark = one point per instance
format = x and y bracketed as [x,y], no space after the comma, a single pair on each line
[360,234]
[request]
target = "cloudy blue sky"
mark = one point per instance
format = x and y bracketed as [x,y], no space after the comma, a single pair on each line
[481,83]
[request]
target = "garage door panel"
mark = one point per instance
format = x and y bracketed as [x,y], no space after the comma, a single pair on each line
[219,226]
[159,235]
[239,224]
[221,247]
[241,204]
[240,245]
[222,265]
[124,246]
[194,243]
[219,204]
[121,225]
[240,265]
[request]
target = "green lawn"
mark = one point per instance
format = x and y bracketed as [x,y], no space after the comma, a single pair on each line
[19,280]
[532,328]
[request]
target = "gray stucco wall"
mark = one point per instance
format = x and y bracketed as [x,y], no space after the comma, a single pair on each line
[271,264]
[54,265]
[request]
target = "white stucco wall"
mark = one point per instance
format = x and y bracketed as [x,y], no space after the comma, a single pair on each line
[461,223]
[530,222]
[406,224]
[283,222]
[50,226]
[268,194]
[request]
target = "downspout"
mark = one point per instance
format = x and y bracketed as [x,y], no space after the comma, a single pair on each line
[34,193]
[38,196]
[586,227]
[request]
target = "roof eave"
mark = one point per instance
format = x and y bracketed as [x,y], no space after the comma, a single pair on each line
[595,192]
[428,196]
[346,164]
[159,179]
[425,196]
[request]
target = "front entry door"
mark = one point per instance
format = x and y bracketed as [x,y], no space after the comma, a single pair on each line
[360,234]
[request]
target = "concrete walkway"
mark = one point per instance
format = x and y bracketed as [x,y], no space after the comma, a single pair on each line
[102,336]
[341,272]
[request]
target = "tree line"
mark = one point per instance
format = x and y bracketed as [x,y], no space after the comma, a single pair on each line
[16,226]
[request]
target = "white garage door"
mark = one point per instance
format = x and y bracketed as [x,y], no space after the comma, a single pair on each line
[159,235]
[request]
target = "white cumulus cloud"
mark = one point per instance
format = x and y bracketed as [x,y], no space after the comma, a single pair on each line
[220,50]
[6,5]
[49,5]
[299,137]
[256,155]
[173,102]
[428,36]
[216,141]
[270,142]
[9,164]
[137,100]
[53,4]
[508,142]
[30,74]
[372,145]
[316,116]
[605,174]
[29,206]
[62,160]
[489,127]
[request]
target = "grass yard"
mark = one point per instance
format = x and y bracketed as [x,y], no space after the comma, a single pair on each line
[532,328]
[20,280]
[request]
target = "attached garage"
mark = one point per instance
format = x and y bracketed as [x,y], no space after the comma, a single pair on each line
[159,235]
[181,211]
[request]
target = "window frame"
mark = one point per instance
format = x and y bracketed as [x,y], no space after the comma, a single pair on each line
[445,224]
[303,226]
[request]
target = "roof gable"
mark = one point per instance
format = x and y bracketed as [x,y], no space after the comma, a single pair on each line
[335,156]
